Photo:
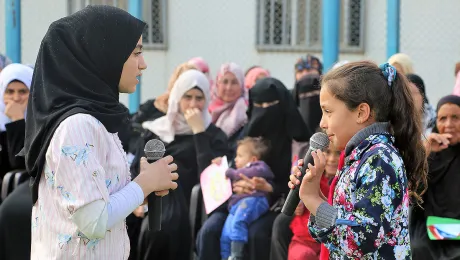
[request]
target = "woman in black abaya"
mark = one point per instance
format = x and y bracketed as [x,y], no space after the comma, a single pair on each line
[272,115]
[306,96]
[193,141]
[442,198]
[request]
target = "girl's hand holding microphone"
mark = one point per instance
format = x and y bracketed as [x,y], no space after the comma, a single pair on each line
[158,177]
[310,185]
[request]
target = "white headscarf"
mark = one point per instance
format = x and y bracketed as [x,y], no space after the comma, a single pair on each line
[174,123]
[11,73]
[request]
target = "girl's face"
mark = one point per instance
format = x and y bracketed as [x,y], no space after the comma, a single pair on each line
[339,122]
[132,70]
[332,161]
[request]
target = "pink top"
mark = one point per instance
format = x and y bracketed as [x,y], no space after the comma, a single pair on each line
[84,163]
[457,85]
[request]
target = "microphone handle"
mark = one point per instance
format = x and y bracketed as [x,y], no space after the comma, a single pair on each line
[155,209]
[293,198]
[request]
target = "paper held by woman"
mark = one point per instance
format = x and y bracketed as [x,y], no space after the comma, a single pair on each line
[216,188]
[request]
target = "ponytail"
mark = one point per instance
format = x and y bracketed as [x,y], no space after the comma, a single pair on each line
[406,124]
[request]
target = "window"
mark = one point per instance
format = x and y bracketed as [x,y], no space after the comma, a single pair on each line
[154,13]
[295,25]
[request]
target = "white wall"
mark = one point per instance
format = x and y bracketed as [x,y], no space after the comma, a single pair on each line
[430,35]
[36,16]
[222,31]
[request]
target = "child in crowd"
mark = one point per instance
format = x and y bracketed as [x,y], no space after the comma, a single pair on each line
[245,208]
[302,245]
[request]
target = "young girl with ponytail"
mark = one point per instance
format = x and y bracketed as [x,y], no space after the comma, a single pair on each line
[369,113]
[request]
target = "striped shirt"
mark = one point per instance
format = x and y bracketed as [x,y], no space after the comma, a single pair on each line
[84,163]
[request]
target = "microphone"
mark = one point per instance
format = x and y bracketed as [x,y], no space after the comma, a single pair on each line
[317,141]
[154,150]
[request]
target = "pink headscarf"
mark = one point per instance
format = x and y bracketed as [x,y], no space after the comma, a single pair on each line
[202,66]
[457,85]
[253,74]
[229,116]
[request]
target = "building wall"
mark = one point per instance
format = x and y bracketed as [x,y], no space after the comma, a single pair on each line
[430,36]
[222,31]
[2,26]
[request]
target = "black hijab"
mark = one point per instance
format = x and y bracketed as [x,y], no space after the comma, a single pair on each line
[78,70]
[443,197]
[268,121]
[309,107]
[279,124]
[418,82]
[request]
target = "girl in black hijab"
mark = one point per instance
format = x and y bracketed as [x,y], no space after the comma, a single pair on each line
[442,197]
[272,115]
[81,186]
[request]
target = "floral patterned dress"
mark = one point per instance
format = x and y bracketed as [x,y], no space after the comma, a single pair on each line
[84,163]
[372,200]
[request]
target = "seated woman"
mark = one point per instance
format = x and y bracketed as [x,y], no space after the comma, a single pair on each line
[16,210]
[442,197]
[150,110]
[306,96]
[193,141]
[228,106]
[15,82]
[253,74]
[272,115]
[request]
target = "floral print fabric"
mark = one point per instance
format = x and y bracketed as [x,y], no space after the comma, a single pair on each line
[372,201]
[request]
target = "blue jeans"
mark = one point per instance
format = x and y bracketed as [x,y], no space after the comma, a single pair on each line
[208,239]
[242,214]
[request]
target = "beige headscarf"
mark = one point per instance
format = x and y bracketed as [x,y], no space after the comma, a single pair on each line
[174,123]
[403,61]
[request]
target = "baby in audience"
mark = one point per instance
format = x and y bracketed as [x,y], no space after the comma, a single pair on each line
[245,208]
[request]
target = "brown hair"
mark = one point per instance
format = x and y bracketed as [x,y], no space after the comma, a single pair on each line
[161,102]
[258,146]
[363,82]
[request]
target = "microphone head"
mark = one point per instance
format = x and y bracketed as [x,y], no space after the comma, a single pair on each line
[154,149]
[319,141]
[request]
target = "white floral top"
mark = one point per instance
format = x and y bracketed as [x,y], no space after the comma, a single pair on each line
[84,163]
